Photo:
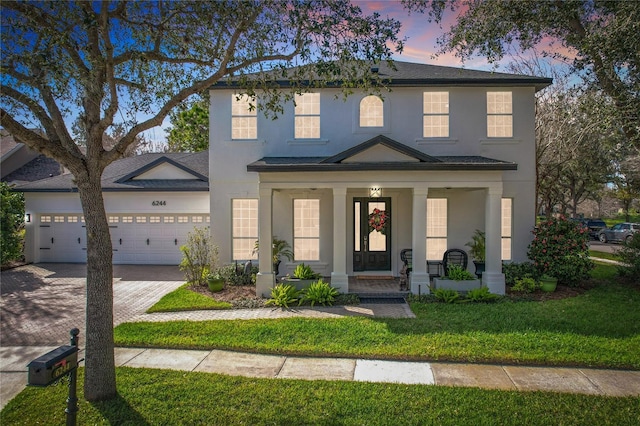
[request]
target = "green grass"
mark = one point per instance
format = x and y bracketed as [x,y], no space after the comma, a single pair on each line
[604,255]
[600,328]
[183,299]
[163,397]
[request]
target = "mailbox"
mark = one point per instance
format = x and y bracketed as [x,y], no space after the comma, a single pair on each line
[52,366]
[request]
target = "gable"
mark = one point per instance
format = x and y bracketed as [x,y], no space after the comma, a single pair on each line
[379,154]
[165,171]
[381,149]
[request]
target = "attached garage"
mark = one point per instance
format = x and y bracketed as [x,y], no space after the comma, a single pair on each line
[152,202]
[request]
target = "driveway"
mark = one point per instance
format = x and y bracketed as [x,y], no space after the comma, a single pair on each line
[41,303]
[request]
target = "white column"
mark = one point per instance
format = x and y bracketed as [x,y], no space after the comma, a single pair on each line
[339,278]
[265,279]
[419,275]
[493,277]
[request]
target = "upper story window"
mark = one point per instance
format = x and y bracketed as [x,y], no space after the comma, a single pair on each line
[371,112]
[244,119]
[435,120]
[307,116]
[499,115]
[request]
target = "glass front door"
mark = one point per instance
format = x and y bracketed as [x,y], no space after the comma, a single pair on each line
[372,234]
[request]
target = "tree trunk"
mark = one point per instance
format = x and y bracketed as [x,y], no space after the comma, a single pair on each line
[100,377]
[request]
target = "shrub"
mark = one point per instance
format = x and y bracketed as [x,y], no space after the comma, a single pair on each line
[446,295]
[11,223]
[458,273]
[304,272]
[525,285]
[199,256]
[319,292]
[630,257]
[516,271]
[560,249]
[236,276]
[481,294]
[283,295]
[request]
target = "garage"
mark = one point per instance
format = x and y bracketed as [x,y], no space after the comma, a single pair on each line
[152,202]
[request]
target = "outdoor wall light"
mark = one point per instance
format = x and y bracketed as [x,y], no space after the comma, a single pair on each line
[375,192]
[27,217]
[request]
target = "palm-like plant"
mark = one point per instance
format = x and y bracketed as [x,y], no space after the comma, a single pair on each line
[280,248]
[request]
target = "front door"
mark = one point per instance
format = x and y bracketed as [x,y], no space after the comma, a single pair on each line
[372,234]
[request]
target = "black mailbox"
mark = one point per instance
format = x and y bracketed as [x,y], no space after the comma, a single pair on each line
[52,366]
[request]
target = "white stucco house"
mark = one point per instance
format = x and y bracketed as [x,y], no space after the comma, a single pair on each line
[152,202]
[445,152]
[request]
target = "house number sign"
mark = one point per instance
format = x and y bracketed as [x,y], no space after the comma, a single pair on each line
[159,203]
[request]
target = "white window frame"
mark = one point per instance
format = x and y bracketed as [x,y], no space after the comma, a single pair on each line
[244,228]
[500,114]
[435,114]
[306,229]
[506,228]
[244,119]
[307,116]
[437,233]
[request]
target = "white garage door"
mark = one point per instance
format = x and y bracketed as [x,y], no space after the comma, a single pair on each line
[136,238]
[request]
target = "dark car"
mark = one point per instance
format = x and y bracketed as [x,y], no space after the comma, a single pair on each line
[594,226]
[619,233]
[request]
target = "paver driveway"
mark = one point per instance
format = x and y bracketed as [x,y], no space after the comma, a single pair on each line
[41,303]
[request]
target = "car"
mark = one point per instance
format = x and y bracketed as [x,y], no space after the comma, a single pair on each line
[594,226]
[619,233]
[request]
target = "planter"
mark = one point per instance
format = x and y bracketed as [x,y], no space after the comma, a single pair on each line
[215,284]
[448,284]
[298,283]
[479,268]
[548,284]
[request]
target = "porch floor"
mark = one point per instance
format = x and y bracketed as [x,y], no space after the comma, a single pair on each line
[364,285]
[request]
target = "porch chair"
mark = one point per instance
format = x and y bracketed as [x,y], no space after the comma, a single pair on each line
[406,256]
[454,257]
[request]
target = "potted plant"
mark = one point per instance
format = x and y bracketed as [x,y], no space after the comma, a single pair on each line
[477,252]
[548,283]
[215,281]
[303,276]
[280,249]
[457,278]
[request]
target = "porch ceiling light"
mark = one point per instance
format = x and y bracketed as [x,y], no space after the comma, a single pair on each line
[375,192]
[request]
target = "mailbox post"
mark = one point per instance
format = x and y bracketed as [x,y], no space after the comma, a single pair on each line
[53,366]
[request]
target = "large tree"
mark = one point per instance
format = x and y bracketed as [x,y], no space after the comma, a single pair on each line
[133,62]
[189,131]
[599,38]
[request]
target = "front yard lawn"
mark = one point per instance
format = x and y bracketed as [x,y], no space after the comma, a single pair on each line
[599,328]
[163,397]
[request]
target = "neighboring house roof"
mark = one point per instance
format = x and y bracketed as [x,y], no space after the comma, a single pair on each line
[410,74]
[378,154]
[19,163]
[147,172]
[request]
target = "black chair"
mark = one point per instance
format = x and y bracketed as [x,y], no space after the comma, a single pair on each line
[454,257]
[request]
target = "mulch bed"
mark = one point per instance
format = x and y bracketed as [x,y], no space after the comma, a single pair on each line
[228,294]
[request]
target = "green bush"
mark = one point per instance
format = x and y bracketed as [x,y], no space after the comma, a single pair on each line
[516,271]
[11,223]
[630,257]
[560,249]
[283,295]
[446,295]
[481,294]
[319,292]
[458,273]
[236,277]
[525,285]
[199,256]
[304,272]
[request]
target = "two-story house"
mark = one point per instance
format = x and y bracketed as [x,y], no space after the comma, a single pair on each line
[349,184]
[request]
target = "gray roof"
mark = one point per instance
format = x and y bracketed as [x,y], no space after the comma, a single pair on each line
[410,74]
[335,163]
[40,167]
[119,175]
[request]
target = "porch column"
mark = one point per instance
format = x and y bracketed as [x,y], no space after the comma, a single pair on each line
[339,278]
[265,279]
[419,275]
[493,277]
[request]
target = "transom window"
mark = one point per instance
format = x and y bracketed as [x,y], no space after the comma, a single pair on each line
[183,219]
[114,219]
[154,219]
[45,219]
[72,219]
[307,116]
[244,228]
[371,112]
[127,219]
[507,226]
[169,219]
[141,219]
[244,119]
[499,115]
[435,120]
[58,219]
[306,229]
[436,228]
